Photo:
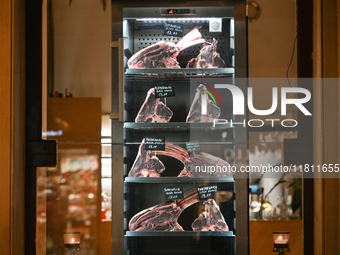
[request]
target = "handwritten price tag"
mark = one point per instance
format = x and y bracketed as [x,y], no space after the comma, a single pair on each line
[155,143]
[174,29]
[193,146]
[206,192]
[165,91]
[173,193]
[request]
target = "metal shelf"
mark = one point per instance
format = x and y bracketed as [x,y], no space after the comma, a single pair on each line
[180,74]
[175,180]
[176,126]
[181,71]
[179,233]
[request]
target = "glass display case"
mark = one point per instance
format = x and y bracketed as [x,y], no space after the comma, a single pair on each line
[177,151]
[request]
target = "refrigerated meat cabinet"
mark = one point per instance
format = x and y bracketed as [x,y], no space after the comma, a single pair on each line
[176,188]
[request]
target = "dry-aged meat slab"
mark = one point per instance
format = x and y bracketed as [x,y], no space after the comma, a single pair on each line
[164,216]
[208,57]
[195,113]
[211,219]
[146,165]
[164,54]
[199,164]
[153,110]
[202,164]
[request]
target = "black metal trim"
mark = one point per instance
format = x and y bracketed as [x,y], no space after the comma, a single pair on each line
[38,152]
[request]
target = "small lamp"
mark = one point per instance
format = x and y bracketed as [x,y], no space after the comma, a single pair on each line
[281,242]
[72,241]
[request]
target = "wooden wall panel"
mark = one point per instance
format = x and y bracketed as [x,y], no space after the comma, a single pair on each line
[5,124]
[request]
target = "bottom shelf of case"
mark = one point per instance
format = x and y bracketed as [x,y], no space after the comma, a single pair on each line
[179,243]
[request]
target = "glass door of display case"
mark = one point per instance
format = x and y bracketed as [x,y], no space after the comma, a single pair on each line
[177,149]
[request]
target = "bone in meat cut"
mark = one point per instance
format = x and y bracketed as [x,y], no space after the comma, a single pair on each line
[208,57]
[164,54]
[211,219]
[153,110]
[202,164]
[145,164]
[164,216]
[148,165]
[199,164]
[195,113]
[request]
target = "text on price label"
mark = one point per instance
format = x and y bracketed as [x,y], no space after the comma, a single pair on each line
[165,91]
[206,192]
[174,29]
[155,143]
[173,193]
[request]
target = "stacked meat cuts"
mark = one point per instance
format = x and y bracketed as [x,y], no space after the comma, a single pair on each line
[208,57]
[202,108]
[153,110]
[164,216]
[164,54]
[211,219]
[199,164]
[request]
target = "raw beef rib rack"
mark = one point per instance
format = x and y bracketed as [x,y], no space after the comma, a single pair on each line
[164,54]
[147,164]
[164,216]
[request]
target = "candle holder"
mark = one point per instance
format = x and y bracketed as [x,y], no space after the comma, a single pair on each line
[72,241]
[281,242]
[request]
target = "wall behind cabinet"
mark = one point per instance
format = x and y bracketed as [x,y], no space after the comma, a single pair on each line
[82,56]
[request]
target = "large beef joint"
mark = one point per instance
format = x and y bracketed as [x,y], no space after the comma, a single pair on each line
[208,57]
[145,164]
[199,164]
[164,54]
[211,219]
[153,110]
[195,114]
[164,216]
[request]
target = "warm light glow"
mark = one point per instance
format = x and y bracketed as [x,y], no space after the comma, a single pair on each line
[72,241]
[281,238]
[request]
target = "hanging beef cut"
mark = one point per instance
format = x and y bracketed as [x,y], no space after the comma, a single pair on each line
[164,216]
[208,57]
[153,110]
[198,164]
[164,54]
[211,219]
[195,113]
